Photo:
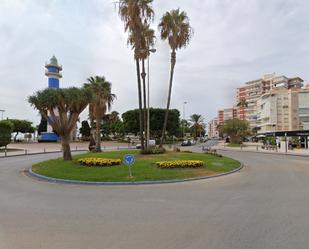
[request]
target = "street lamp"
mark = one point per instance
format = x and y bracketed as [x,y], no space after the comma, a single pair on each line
[183,119]
[2,111]
[148,105]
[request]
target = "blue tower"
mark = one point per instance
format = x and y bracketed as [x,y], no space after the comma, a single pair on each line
[53,72]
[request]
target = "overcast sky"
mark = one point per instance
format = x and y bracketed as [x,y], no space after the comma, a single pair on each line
[234,41]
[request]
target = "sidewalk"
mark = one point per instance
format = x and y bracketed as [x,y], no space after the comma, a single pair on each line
[258,149]
[36,148]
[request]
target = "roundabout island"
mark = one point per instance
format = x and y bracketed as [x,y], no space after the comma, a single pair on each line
[108,168]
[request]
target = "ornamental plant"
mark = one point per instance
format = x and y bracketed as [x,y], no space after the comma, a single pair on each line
[99,162]
[180,164]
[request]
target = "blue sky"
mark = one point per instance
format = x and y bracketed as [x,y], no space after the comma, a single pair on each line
[234,41]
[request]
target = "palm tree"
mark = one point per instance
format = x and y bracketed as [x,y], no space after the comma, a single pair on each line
[61,107]
[242,103]
[102,101]
[197,123]
[134,13]
[147,41]
[175,28]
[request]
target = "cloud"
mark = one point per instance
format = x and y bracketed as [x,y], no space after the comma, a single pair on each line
[234,41]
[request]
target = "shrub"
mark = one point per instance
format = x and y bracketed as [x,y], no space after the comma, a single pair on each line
[180,164]
[153,151]
[100,162]
[213,153]
[6,128]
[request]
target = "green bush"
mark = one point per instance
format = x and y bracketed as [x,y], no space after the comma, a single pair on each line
[153,151]
[6,129]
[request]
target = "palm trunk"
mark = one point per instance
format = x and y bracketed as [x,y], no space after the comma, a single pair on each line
[173,63]
[144,98]
[98,135]
[141,113]
[66,150]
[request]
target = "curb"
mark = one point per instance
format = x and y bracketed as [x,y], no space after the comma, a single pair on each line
[60,151]
[40,153]
[56,180]
[264,152]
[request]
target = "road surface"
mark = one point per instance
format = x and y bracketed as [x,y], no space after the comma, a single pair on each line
[265,206]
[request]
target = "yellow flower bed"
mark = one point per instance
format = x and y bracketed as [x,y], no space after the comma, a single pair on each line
[180,164]
[186,151]
[101,162]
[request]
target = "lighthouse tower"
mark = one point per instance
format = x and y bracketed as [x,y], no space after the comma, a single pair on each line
[53,72]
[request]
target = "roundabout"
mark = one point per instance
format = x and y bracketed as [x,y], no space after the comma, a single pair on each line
[147,169]
[265,205]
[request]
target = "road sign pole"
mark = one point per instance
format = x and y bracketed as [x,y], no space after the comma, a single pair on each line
[130,172]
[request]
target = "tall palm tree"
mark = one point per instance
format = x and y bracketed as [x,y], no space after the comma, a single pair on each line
[134,13]
[147,41]
[102,101]
[197,123]
[175,28]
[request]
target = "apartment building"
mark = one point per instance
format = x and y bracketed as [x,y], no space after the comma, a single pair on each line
[278,110]
[253,90]
[213,131]
[303,105]
[226,114]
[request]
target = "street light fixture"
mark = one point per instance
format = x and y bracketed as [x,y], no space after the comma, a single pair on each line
[152,50]
[183,119]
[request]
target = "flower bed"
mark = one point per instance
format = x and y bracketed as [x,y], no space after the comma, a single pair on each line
[99,162]
[180,164]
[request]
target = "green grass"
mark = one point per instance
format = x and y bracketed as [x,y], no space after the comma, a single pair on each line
[144,168]
[236,145]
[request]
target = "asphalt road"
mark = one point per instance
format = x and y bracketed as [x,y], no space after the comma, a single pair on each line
[265,206]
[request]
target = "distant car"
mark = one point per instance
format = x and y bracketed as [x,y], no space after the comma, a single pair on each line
[138,146]
[186,143]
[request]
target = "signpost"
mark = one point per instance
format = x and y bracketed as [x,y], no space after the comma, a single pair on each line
[129,160]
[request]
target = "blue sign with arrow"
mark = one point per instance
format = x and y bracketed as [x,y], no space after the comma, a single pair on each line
[129,160]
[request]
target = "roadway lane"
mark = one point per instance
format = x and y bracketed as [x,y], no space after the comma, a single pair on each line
[263,206]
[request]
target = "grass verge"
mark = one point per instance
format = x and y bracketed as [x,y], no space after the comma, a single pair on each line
[144,168]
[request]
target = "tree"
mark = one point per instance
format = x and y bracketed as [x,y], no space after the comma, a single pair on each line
[112,125]
[147,41]
[102,101]
[242,103]
[131,124]
[197,124]
[21,126]
[6,129]
[236,129]
[174,27]
[135,13]
[42,127]
[85,130]
[64,107]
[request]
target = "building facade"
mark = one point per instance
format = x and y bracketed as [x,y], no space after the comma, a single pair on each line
[278,110]
[251,91]
[213,131]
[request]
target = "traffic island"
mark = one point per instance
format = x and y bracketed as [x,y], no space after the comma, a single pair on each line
[145,169]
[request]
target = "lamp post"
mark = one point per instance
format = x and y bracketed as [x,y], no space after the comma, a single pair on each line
[148,95]
[183,119]
[2,111]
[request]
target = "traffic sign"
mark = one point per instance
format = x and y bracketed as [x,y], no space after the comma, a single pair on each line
[129,160]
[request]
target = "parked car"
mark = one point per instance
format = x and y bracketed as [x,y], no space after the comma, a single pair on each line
[186,143]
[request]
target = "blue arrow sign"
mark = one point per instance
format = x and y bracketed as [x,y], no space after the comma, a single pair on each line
[129,160]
